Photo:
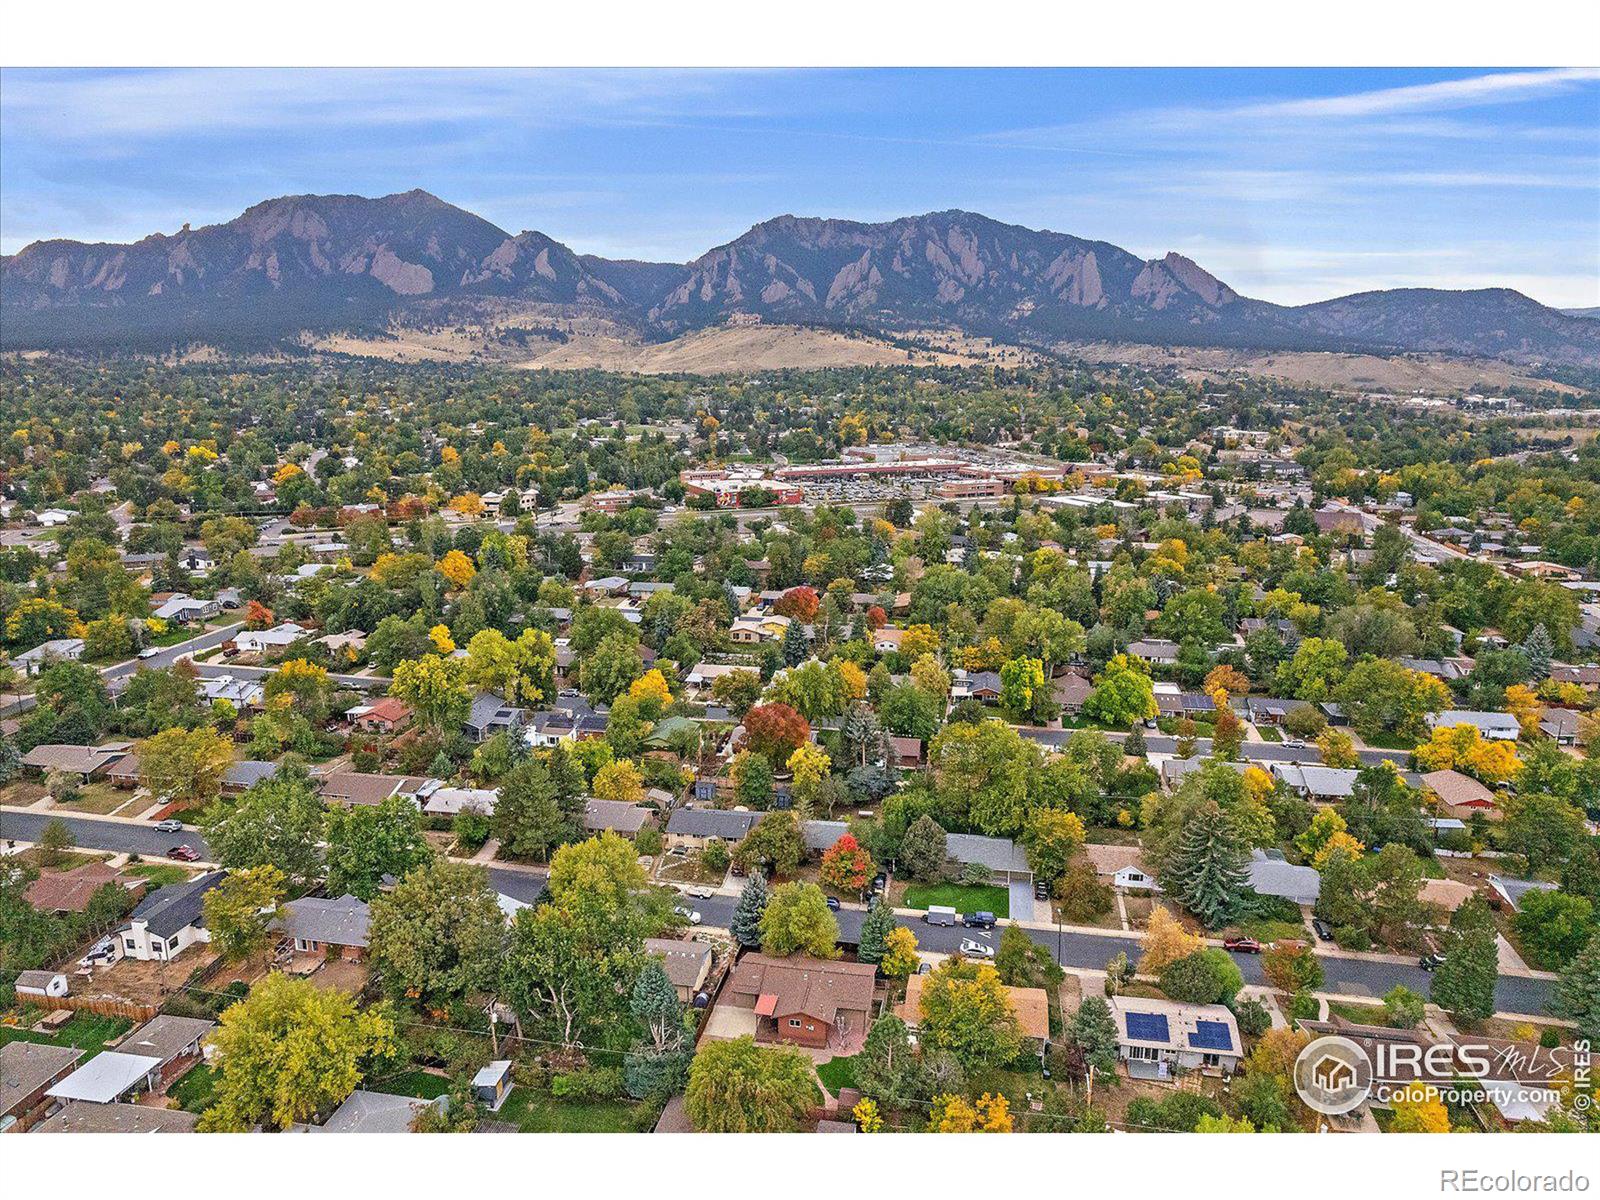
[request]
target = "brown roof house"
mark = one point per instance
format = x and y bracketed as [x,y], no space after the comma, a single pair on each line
[69,891]
[688,964]
[1461,796]
[26,1072]
[1031,1007]
[804,1000]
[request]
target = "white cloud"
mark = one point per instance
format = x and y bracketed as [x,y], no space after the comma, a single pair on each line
[1500,88]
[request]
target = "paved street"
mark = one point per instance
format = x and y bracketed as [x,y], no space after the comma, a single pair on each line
[1353,977]
[165,658]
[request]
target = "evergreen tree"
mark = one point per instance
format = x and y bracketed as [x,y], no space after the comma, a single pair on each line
[655,1006]
[1207,874]
[1094,1032]
[1578,991]
[1133,745]
[746,922]
[1538,649]
[875,930]
[1463,984]
[795,650]
[922,850]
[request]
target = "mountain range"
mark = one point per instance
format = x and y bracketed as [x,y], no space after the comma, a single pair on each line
[310,264]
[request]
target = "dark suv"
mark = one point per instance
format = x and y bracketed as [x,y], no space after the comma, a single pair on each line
[979,920]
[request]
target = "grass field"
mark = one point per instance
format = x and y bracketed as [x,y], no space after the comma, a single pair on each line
[159,874]
[99,799]
[838,1073]
[195,1090]
[421,1084]
[959,897]
[534,1111]
[87,1031]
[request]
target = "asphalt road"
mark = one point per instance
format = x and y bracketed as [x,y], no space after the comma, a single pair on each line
[1352,977]
[165,658]
[357,682]
[1264,752]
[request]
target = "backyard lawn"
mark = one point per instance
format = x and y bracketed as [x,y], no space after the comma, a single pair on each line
[97,798]
[960,897]
[838,1073]
[534,1111]
[424,1085]
[87,1031]
[158,874]
[195,1090]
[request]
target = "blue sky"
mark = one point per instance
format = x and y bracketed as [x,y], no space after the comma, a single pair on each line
[1291,185]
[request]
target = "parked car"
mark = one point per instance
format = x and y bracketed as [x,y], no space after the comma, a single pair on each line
[938,914]
[1242,945]
[688,914]
[1321,929]
[974,949]
[1430,961]
[700,893]
[979,920]
[1041,890]
[150,652]
[880,881]
[833,903]
[170,825]
[183,853]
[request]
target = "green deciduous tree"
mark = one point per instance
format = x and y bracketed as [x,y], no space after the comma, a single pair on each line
[239,910]
[739,1087]
[439,934]
[280,821]
[797,920]
[290,1051]
[966,1012]
[367,842]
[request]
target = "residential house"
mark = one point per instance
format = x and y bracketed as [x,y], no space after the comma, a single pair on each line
[1071,691]
[886,640]
[174,1042]
[1170,702]
[489,715]
[617,816]
[1006,861]
[360,788]
[805,1001]
[377,1112]
[1029,1005]
[1270,710]
[326,927]
[181,609]
[448,801]
[86,762]
[1560,725]
[385,716]
[906,753]
[1159,651]
[1461,796]
[687,964]
[819,836]
[168,921]
[47,654]
[983,686]
[85,1117]
[70,891]
[27,1071]
[1585,676]
[1121,867]
[692,828]
[1155,1036]
[265,641]
[1320,785]
[1499,726]
[1269,874]
[242,693]
[1511,891]
[242,776]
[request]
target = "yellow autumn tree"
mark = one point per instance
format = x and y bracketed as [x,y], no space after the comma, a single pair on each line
[868,1119]
[652,685]
[619,781]
[1463,748]
[1523,704]
[1165,942]
[956,1114]
[457,568]
[1418,1109]
[468,504]
[439,635]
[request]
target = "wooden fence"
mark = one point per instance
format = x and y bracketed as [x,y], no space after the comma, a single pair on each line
[105,1006]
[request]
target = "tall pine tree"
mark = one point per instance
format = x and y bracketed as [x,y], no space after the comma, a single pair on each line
[746,922]
[1463,984]
[795,650]
[1538,649]
[875,930]
[1207,874]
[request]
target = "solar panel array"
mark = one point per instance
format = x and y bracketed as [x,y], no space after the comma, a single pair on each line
[1211,1035]
[1147,1027]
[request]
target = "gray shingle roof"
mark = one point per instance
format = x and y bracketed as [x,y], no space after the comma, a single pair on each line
[341,922]
[176,906]
[998,854]
[712,822]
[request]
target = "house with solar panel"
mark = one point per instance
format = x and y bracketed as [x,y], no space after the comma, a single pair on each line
[1157,1037]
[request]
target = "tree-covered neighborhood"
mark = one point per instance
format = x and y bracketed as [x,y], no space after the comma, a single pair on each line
[1047,749]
